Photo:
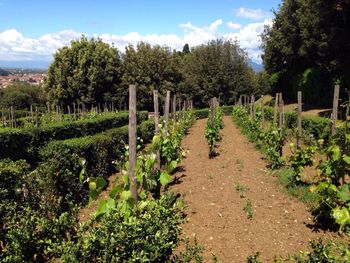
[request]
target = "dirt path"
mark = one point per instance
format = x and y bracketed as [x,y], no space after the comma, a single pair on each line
[279,224]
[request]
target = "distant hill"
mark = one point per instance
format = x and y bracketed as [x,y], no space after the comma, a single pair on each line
[256,67]
[27,64]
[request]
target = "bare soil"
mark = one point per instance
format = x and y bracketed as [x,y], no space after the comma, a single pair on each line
[280,224]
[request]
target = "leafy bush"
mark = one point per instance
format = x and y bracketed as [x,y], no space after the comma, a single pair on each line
[25,143]
[204,113]
[149,233]
[31,237]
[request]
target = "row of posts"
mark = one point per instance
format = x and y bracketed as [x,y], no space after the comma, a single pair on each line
[278,117]
[133,128]
[8,118]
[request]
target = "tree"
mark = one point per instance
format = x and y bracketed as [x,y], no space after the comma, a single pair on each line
[87,71]
[146,66]
[307,48]
[186,49]
[219,68]
[21,95]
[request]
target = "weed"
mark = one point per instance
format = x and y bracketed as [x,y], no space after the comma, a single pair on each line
[241,189]
[254,258]
[239,165]
[248,209]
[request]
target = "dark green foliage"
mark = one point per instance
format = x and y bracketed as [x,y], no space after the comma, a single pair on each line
[149,233]
[217,69]
[88,71]
[25,143]
[98,150]
[307,49]
[31,236]
[203,113]
[21,96]
[330,252]
[270,141]
[318,127]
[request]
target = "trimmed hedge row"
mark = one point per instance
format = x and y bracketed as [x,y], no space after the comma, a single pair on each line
[98,150]
[25,143]
[319,127]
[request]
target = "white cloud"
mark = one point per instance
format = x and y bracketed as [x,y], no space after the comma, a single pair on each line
[254,14]
[232,25]
[15,46]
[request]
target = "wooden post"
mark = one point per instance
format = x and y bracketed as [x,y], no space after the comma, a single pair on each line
[36,117]
[156,123]
[166,111]
[132,141]
[69,110]
[262,112]
[174,109]
[253,107]
[335,110]
[275,109]
[299,118]
[280,111]
[156,111]
[212,112]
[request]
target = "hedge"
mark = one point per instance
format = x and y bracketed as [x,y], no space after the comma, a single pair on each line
[319,127]
[98,150]
[25,143]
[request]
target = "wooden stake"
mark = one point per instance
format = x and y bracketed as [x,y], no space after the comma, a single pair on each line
[253,107]
[166,110]
[156,111]
[335,110]
[299,118]
[275,109]
[132,142]
[174,108]
[280,111]
[262,112]
[156,123]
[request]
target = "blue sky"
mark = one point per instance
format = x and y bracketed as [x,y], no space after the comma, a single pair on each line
[35,29]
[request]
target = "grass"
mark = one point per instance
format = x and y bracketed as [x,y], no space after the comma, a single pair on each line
[301,192]
[239,165]
[248,209]
[210,176]
[241,189]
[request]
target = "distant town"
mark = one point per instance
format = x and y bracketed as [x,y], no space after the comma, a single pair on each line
[31,76]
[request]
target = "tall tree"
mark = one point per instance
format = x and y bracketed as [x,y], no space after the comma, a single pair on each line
[146,66]
[307,48]
[87,71]
[219,68]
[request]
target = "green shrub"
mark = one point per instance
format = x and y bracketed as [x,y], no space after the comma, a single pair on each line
[11,174]
[25,143]
[149,233]
[204,113]
[31,237]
